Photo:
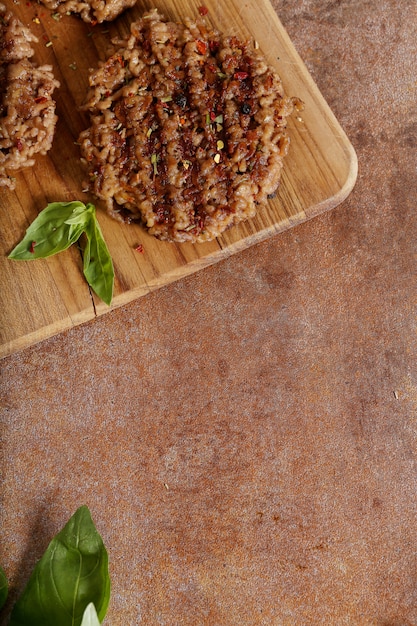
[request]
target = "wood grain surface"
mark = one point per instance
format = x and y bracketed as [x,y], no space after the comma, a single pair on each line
[44,297]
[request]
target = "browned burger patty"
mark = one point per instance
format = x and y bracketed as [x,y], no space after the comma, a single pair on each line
[27,111]
[188,129]
[94,11]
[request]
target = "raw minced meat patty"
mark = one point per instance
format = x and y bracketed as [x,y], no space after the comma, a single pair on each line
[94,11]
[188,129]
[27,110]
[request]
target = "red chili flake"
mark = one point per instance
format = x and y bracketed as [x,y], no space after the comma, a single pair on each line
[241,75]
[32,247]
[120,60]
[41,99]
[94,22]
[19,145]
[214,45]
[201,46]
[203,10]
[212,116]
[139,248]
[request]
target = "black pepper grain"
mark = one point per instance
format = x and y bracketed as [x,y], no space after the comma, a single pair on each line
[181,100]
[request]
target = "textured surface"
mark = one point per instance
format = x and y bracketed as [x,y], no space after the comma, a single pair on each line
[247,439]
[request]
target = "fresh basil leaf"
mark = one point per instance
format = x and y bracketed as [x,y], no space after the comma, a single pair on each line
[55,229]
[4,587]
[98,265]
[60,225]
[72,573]
[90,617]
[80,214]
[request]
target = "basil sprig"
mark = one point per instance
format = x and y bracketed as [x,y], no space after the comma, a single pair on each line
[98,266]
[60,225]
[72,574]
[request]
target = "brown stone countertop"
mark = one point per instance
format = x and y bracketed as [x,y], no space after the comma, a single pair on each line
[246,438]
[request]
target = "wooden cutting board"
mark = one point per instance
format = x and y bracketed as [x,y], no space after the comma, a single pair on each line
[44,297]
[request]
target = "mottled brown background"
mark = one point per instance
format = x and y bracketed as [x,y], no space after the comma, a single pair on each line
[246,439]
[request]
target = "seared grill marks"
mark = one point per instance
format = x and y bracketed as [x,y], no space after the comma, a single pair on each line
[188,129]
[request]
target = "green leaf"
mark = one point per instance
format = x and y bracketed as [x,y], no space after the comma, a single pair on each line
[90,617]
[55,229]
[4,587]
[60,225]
[72,573]
[98,265]
[80,213]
